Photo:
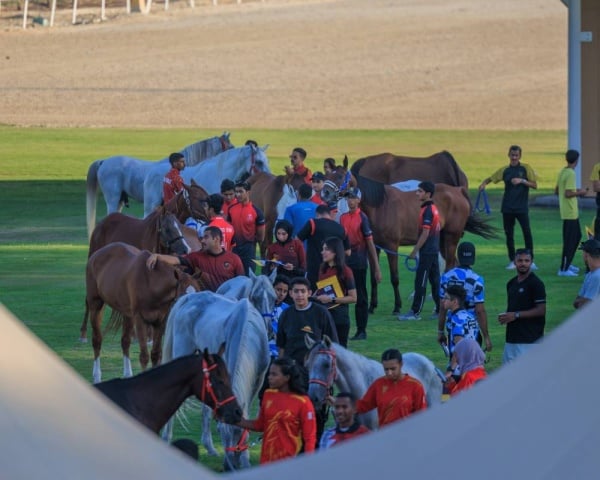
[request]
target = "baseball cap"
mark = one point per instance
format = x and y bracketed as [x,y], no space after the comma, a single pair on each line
[318,177]
[591,246]
[466,253]
[353,192]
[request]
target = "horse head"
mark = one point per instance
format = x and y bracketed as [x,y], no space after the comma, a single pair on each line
[257,161]
[225,141]
[322,369]
[186,283]
[214,389]
[196,201]
[171,235]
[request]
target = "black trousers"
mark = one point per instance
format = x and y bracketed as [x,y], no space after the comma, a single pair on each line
[508,219]
[597,225]
[571,232]
[361,309]
[427,270]
[247,253]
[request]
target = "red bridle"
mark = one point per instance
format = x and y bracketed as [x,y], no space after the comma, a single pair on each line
[241,445]
[332,375]
[207,388]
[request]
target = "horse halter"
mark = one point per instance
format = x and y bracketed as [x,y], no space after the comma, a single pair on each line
[332,375]
[207,388]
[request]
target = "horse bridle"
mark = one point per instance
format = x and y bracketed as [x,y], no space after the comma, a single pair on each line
[207,388]
[328,384]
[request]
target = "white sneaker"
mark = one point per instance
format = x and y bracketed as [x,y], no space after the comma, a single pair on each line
[511,266]
[567,273]
[573,269]
[534,266]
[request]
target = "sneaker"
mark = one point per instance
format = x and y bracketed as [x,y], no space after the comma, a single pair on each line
[359,336]
[511,266]
[533,266]
[567,273]
[409,316]
[573,268]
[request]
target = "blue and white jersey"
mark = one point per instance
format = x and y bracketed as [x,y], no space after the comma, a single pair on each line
[463,323]
[469,280]
[277,311]
[196,225]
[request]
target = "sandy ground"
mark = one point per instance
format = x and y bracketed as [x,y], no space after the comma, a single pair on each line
[292,64]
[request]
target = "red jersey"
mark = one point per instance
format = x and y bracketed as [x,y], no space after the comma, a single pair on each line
[467,380]
[394,400]
[358,230]
[335,435]
[305,172]
[291,251]
[216,269]
[227,205]
[429,219]
[246,220]
[226,229]
[288,422]
[172,184]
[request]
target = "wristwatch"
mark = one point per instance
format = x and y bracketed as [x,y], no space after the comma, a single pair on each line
[517,315]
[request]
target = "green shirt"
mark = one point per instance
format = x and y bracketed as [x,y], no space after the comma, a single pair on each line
[568,206]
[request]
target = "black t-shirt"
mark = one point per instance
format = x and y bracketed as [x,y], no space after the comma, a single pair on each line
[516,197]
[294,324]
[524,296]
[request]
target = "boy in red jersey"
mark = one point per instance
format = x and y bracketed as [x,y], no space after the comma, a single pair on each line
[346,424]
[173,183]
[396,395]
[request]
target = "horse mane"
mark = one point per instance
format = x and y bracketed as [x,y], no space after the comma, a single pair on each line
[198,151]
[373,192]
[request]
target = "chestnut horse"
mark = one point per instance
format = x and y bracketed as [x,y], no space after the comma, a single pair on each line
[152,397]
[266,193]
[117,276]
[394,218]
[388,168]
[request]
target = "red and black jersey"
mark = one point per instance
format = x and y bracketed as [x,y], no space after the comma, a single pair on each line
[226,229]
[292,252]
[346,280]
[304,172]
[172,184]
[358,229]
[227,205]
[429,219]
[246,218]
[288,422]
[333,436]
[216,269]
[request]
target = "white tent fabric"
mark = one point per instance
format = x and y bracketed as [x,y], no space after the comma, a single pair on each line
[53,425]
[536,418]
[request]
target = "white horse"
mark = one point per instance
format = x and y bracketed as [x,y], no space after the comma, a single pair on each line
[121,177]
[210,173]
[204,319]
[329,363]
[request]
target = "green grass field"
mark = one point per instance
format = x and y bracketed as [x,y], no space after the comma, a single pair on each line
[43,242]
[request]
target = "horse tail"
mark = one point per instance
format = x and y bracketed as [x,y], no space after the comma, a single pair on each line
[479,226]
[460,178]
[373,192]
[91,194]
[115,322]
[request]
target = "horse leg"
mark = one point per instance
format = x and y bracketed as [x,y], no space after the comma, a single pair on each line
[395,281]
[374,300]
[96,308]
[157,333]
[206,436]
[84,324]
[125,345]
[142,337]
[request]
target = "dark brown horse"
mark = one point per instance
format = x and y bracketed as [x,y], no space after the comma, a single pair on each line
[152,397]
[388,168]
[266,192]
[394,218]
[117,276]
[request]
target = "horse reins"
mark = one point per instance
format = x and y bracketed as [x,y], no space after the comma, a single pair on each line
[207,388]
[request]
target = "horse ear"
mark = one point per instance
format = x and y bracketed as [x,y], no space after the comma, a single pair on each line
[221,349]
[327,341]
[345,162]
[194,183]
[273,275]
[252,275]
[309,341]
[264,147]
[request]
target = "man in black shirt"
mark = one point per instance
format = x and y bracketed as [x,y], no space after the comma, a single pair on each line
[315,231]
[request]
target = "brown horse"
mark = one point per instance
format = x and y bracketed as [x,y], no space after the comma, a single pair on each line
[152,397]
[394,218]
[388,168]
[117,276]
[266,192]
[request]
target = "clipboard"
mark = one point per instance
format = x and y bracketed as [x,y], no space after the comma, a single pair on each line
[330,286]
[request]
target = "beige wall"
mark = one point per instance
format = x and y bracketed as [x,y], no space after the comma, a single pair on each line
[590,94]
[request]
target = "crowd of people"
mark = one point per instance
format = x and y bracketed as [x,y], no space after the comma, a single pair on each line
[321,265]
